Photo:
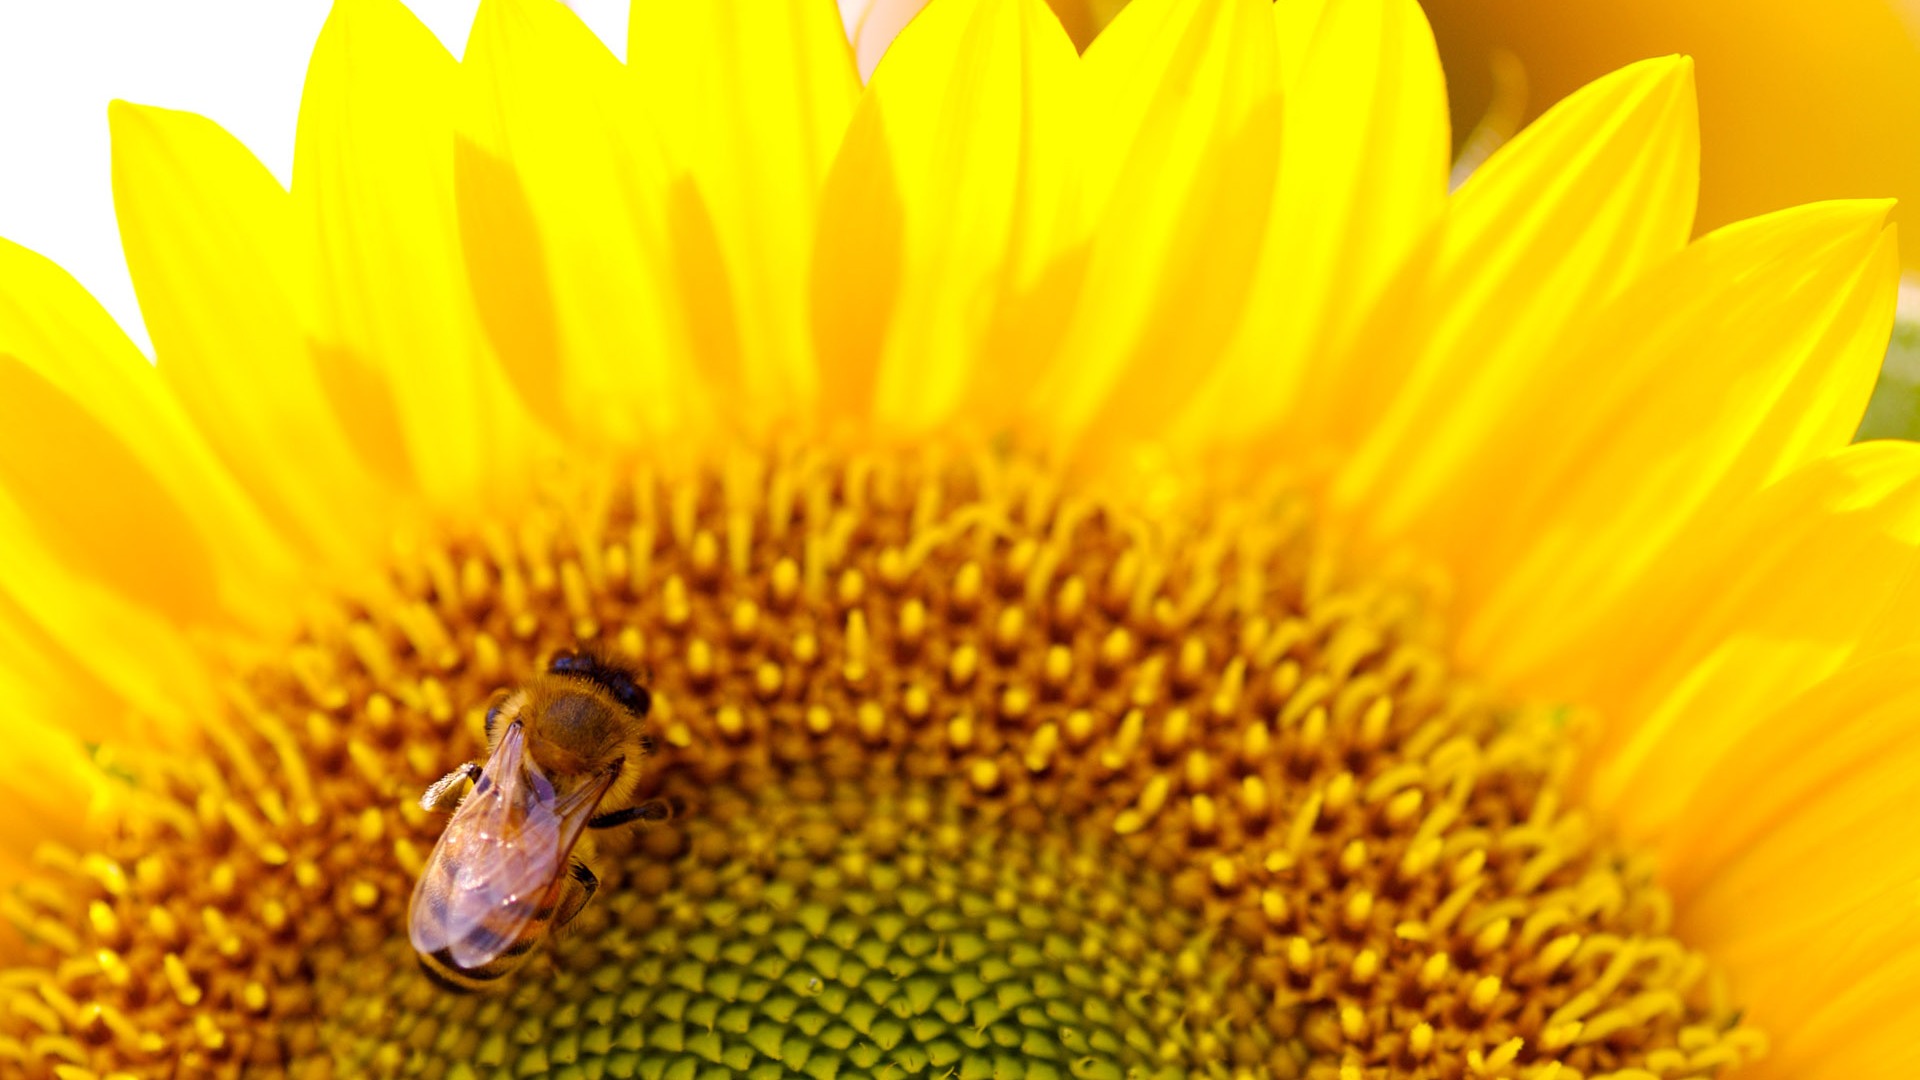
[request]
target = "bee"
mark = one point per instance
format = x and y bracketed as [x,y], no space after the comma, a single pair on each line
[565,753]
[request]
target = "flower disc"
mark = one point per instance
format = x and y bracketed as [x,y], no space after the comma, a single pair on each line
[976,777]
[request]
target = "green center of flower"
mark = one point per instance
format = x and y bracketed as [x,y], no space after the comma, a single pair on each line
[825,926]
[978,777]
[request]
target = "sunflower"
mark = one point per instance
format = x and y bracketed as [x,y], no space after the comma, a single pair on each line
[1137,578]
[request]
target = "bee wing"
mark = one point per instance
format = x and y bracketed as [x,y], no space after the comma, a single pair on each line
[492,874]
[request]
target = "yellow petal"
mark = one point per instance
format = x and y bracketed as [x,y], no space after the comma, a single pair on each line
[141,657]
[1748,355]
[209,239]
[857,268]
[1298,23]
[571,220]
[55,793]
[1806,101]
[40,678]
[1841,995]
[1560,220]
[1749,608]
[395,325]
[54,789]
[1363,175]
[118,486]
[754,101]
[1180,119]
[1826,764]
[1795,865]
[965,122]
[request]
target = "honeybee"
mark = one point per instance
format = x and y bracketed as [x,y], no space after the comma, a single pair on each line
[563,749]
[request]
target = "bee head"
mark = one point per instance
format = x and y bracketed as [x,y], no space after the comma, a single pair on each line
[609,676]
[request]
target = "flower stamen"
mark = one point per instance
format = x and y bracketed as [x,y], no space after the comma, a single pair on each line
[979,778]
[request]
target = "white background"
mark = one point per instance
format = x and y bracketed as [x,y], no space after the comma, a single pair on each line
[240,62]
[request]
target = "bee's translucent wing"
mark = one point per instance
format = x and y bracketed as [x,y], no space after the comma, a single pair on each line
[495,872]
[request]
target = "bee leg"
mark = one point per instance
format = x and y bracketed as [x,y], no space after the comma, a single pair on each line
[441,793]
[580,889]
[654,810]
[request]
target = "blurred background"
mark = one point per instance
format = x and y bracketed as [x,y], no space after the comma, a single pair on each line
[1799,101]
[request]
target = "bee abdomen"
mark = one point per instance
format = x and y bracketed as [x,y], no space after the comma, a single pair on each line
[504,952]
[444,973]
[441,967]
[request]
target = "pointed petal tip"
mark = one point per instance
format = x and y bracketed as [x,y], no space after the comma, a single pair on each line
[1863,219]
[1881,237]
[1659,90]
[1863,225]
[124,117]
[1874,210]
[1677,67]
[1673,74]
[128,120]
[360,22]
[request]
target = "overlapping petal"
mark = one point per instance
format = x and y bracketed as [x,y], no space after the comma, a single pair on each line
[1593,195]
[1179,118]
[1794,861]
[1363,176]
[397,335]
[758,98]
[1747,356]
[119,527]
[943,202]
[591,257]
[220,272]
[1797,581]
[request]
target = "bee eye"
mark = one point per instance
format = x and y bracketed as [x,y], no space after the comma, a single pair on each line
[493,720]
[627,692]
[569,662]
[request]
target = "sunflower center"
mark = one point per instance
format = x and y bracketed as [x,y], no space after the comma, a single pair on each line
[978,778]
[812,925]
